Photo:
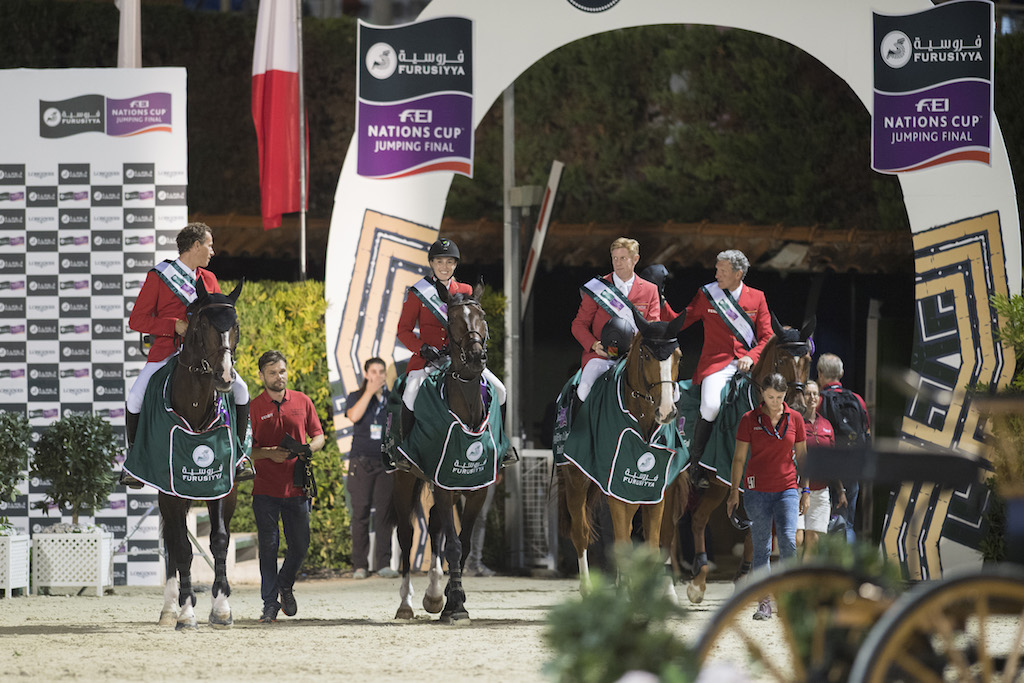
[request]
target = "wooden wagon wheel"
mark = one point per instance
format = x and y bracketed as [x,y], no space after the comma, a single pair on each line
[965,628]
[819,618]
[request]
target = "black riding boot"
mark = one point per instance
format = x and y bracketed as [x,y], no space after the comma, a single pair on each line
[243,470]
[131,427]
[408,420]
[701,435]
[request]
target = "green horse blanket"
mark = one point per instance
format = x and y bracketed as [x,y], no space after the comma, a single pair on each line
[172,457]
[605,444]
[738,398]
[454,455]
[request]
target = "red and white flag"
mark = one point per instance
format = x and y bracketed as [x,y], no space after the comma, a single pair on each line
[275,109]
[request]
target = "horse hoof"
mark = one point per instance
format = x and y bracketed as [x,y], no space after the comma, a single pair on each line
[168,618]
[694,594]
[433,605]
[221,621]
[459,618]
[190,625]
[404,612]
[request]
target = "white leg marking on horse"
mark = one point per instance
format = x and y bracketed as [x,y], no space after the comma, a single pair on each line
[584,573]
[169,613]
[433,598]
[187,618]
[667,404]
[220,613]
[670,589]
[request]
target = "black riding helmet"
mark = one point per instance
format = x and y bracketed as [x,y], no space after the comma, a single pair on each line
[656,274]
[616,336]
[443,247]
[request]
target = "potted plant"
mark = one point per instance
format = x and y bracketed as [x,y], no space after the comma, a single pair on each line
[14,547]
[75,457]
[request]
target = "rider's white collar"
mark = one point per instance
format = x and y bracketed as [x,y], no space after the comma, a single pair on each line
[188,270]
[623,285]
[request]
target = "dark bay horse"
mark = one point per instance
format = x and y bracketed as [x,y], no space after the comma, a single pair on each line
[789,354]
[648,394]
[468,411]
[204,370]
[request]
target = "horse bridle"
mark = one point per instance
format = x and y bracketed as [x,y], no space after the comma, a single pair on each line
[204,368]
[649,397]
[790,346]
[471,336]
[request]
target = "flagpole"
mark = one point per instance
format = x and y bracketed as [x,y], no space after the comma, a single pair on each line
[302,149]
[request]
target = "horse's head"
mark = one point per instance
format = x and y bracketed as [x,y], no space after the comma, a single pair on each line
[790,355]
[212,335]
[653,365]
[467,335]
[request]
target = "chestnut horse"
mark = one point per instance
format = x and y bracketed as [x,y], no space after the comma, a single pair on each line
[465,391]
[204,372]
[787,353]
[648,393]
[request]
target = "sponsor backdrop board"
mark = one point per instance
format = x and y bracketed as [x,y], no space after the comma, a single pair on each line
[93,176]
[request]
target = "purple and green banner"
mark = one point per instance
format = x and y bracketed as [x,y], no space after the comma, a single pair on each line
[933,87]
[415,106]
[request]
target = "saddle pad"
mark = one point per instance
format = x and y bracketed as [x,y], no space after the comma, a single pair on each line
[738,398]
[563,417]
[175,459]
[455,456]
[605,445]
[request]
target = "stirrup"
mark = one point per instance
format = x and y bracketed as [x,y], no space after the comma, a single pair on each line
[128,480]
[244,471]
[511,457]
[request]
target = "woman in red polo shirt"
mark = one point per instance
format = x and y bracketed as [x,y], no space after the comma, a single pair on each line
[774,436]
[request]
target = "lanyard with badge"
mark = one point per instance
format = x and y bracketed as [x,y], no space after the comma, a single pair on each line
[376,428]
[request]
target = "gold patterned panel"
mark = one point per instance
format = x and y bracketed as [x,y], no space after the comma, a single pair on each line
[959,267]
[390,257]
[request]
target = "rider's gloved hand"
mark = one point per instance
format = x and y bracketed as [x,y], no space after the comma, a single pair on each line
[429,353]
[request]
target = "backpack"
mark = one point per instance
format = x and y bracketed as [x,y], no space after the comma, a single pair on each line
[849,419]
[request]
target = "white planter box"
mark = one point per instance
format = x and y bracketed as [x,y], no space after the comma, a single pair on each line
[14,563]
[73,560]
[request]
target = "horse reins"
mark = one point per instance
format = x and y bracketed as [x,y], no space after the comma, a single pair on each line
[204,368]
[471,336]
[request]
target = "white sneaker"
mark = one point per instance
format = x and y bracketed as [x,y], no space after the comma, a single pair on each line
[360,573]
[388,573]
[479,570]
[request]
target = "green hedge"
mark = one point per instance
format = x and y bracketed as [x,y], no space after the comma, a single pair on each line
[289,317]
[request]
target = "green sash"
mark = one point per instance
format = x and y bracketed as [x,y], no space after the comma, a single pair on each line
[738,397]
[175,459]
[455,456]
[609,298]
[177,280]
[605,445]
[427,293]
[732,315]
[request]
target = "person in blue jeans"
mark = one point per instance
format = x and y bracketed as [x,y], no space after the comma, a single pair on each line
[275,497]
[773,435]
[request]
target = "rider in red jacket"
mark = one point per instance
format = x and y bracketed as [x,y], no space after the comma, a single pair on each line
[591,317]
[159,311]
[723,353]
[421,330]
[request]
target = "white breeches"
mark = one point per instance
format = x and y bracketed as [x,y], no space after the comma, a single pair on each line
[416,377]
[711,391]
[594,368]
[138,391]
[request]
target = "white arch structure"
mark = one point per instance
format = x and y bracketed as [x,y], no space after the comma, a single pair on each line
[379,224]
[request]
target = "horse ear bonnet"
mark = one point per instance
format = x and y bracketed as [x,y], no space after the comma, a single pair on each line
[616,336]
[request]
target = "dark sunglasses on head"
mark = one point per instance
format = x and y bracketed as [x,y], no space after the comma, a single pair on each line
[739,522]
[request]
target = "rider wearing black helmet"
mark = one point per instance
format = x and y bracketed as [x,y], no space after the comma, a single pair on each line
[616,336]
[420,326]
[658,274]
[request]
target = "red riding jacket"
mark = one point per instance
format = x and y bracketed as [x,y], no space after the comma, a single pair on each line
[156,310]
[414,314]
